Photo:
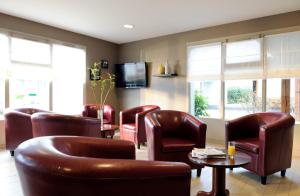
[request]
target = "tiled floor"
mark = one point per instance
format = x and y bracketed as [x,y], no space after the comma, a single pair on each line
[239,182]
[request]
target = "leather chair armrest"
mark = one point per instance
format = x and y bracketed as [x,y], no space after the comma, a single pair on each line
[280,124]
[240,128]
[109,114]
[140,119]
[17,114]
[197,130]
[84,114]
[276,143]
[154,135]
[128,116]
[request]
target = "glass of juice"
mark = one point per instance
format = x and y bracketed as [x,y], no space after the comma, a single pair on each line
[231,150]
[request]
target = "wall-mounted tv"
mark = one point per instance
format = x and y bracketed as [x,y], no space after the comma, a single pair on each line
[131,75]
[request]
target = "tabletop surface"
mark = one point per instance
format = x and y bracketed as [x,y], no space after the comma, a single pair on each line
[240,159]
[108,127]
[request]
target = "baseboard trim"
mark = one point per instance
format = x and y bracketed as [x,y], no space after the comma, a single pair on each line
[2,146]
[296,153]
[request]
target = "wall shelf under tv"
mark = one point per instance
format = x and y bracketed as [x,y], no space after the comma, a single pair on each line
[165,75]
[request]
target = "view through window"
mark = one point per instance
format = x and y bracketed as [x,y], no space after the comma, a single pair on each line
[242,97]
[206,97]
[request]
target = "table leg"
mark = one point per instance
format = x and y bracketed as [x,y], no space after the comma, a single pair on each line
[108,134]
[218,184]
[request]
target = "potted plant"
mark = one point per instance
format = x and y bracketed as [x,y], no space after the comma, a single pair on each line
[104,82]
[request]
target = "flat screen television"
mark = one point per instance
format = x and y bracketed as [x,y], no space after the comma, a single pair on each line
[131,75]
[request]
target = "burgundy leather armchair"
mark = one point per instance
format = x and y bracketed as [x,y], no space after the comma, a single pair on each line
[132,123]
[267,138]
[18,126]
[46,124]
[90,110]
[171,135]
[69,165]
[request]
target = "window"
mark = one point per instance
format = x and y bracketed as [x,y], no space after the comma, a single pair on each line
[243,60]
[242,97]
[27,51]
[2,96]
[283,55]
[206,96]
[254,75]
[204,62]
[295,98]
[4,59]
[204,71]
[273,102]
[30,89]
[69,77]
[41,75]
[29,93]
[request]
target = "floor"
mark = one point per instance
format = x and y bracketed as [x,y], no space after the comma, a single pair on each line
[239,182]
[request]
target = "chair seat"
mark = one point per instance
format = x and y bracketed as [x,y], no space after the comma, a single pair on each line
[177,145]
[249,144]
[130,126]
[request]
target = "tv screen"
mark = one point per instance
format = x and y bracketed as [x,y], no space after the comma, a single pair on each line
[131,75]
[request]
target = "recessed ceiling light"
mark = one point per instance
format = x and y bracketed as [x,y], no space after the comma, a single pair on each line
[128,26]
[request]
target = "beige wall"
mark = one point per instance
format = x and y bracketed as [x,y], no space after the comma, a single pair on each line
[172,93]
[96,49]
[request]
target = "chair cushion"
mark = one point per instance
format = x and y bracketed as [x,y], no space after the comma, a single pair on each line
[249,144]
[177,145]
[130,126]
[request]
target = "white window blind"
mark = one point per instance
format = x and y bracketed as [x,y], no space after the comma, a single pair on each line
[204,62]
[243,60]
[69,76]
[283,55]
[27,51]
[4,54]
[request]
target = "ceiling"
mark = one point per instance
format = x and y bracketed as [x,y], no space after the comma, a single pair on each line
[104,19]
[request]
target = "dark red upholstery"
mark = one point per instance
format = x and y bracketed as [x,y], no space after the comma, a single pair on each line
[44,124]
[18,126]
[90,110]
[171,135]
[132,124]
[77,166]
[267,138]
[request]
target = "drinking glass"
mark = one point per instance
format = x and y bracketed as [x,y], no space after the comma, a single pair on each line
[231,150]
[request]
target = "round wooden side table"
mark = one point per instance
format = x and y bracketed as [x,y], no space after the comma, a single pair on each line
[219,165]
[108,131]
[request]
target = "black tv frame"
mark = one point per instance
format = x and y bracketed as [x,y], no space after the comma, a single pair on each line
[132,86]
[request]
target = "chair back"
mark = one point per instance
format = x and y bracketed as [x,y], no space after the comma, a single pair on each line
[46,124]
